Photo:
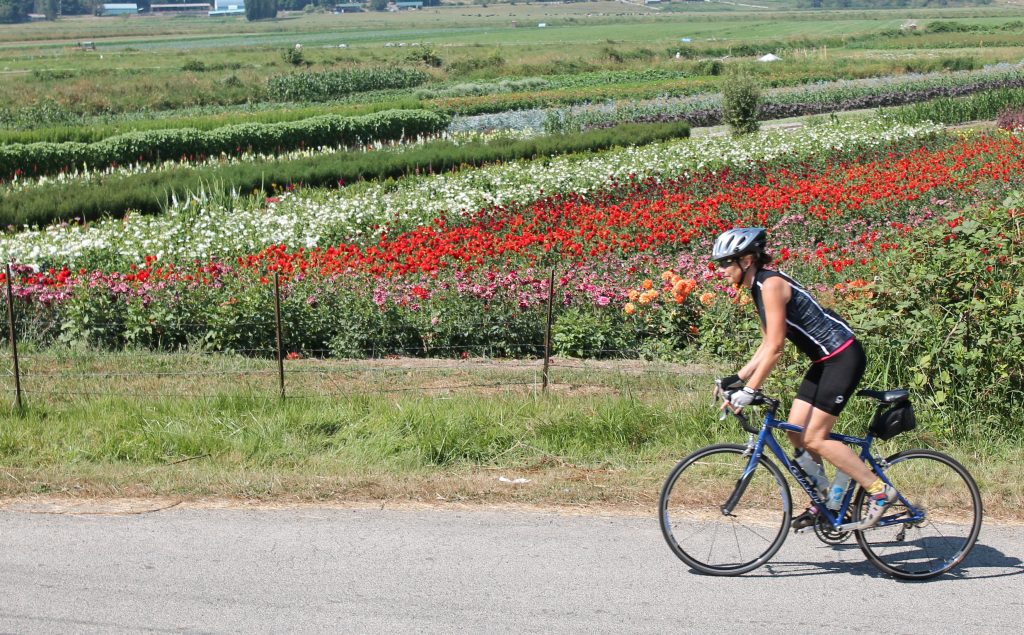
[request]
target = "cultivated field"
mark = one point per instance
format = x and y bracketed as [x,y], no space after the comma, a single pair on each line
[410,192]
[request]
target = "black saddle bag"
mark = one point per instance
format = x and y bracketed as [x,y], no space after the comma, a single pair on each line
[895,419]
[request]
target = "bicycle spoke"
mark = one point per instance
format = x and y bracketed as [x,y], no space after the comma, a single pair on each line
[939,487]
[705,538]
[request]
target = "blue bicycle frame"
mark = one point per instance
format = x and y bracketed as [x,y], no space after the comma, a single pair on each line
[765,438]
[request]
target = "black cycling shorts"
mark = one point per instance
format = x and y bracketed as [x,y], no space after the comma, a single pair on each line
[829,383]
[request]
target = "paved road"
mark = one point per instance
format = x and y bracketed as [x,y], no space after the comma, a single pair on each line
[334,570]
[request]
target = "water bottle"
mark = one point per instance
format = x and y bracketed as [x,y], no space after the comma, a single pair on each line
[813,471]
[837,490]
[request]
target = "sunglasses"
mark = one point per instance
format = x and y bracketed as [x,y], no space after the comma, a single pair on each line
[725,264]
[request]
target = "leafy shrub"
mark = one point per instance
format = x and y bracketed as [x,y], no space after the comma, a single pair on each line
[961,63]
[330,85]
[952,311]
[196,66]
[294,55]
[51,74]
[474,64]
[584,332]
[709,68]
[951,26]
[427,55]
[1011,120]
[741,100]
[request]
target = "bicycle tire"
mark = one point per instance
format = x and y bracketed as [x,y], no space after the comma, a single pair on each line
[947,493]
[689,510]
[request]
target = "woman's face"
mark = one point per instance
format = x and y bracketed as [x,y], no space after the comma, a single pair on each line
[733,268]
[732,271]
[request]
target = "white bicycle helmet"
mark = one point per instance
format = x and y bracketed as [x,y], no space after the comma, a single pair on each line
[739,241]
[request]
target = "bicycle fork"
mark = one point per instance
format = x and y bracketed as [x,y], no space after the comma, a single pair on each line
[744,480]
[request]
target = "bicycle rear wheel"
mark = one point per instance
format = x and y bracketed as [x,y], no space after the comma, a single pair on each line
[693,523]
[947,496]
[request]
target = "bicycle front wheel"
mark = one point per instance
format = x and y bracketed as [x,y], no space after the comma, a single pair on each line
[946,500]
[699,532]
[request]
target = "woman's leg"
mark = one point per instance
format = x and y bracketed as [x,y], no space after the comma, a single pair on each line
[799,415]
[835,452]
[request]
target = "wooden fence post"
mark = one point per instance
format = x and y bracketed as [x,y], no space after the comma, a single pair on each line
[280,334]
[12,334]
[547,333]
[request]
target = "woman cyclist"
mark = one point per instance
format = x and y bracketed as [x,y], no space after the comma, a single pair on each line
[788,311]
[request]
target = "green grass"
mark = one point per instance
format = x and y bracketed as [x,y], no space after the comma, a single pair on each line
[198,426]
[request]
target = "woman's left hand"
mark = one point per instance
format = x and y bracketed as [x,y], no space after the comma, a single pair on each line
[742,398]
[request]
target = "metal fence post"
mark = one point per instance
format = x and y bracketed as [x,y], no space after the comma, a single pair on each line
[280,335]
[13,339]
[547,333]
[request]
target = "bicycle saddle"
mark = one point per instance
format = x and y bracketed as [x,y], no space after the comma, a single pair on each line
[886,396]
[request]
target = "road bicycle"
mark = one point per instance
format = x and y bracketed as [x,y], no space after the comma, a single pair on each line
[726,508]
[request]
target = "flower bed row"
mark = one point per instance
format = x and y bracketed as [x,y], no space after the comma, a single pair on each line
[201,229]
[832,217]
[151,192]
[706,110]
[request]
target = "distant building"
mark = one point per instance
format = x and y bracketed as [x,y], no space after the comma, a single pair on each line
[119,8]
[180,7]
[408,5]
[228,7]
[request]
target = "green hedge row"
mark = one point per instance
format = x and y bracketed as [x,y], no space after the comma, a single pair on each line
[148,193]
[93,129]
[37,159]
[333,84]
[986,105]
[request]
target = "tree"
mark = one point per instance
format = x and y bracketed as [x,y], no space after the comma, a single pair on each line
[379,5]
[49,8]
[15,10]
[260,9]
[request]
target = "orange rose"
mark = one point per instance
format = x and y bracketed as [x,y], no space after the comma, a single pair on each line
[647,284]
[707,299]
[630,308]
[633,295]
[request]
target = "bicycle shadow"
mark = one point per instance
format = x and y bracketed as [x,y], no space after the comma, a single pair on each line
[982,563]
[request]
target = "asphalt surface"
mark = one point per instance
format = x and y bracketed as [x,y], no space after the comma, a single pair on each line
[411,571]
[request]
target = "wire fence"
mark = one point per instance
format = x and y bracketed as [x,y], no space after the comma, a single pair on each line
[275,369]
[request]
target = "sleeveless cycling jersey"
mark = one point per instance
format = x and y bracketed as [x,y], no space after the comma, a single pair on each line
[818,333]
